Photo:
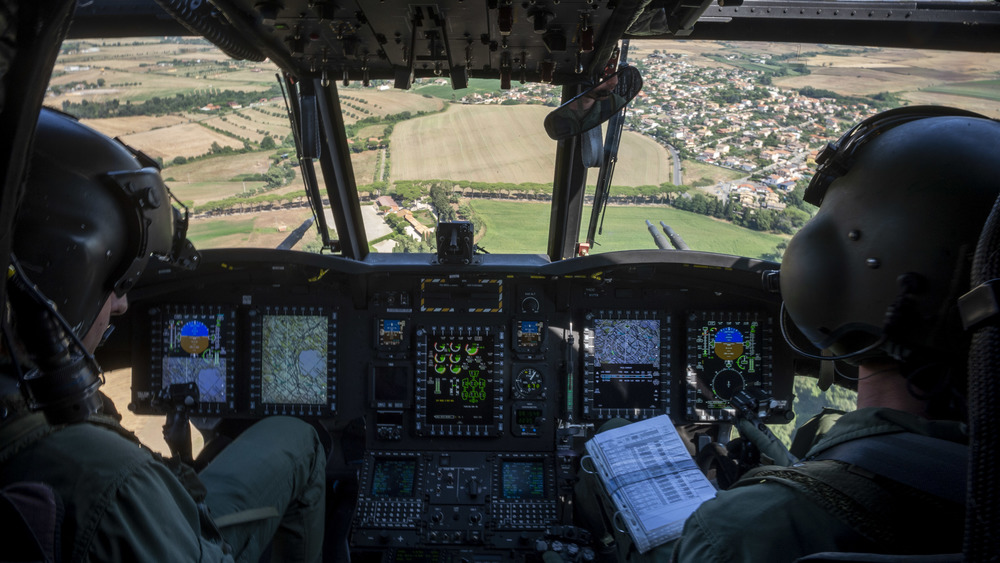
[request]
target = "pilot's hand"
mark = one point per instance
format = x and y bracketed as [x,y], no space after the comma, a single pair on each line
[772,451]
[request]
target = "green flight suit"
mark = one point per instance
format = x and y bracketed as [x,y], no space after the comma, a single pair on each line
[766,520]
[125,503]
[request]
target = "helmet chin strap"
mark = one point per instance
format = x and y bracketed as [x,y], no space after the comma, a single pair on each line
[107,334]
[898,315]
[799,350]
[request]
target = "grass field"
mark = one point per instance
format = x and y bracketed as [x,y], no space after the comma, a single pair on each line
[263,230]
[694,171]
[986,89]
[522,227]
[446,92]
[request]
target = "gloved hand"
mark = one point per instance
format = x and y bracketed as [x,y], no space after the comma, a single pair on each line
[772,451]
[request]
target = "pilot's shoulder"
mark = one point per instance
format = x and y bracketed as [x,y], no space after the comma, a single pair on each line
[98,453]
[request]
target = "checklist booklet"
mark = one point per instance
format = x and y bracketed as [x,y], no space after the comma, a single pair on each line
[651,479]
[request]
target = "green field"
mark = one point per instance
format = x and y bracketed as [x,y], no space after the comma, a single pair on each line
[693,171]
[446,92]
[985,89]
[522,227]
[206,234]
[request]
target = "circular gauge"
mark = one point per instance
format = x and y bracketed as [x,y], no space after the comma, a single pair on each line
[727,383]
[194,337]
[472,349]
[527,383]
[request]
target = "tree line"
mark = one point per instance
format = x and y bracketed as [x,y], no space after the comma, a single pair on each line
[156,106]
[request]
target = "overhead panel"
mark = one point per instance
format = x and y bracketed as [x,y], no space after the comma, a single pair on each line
[531,41]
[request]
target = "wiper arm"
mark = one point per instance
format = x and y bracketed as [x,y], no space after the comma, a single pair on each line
[611,142]
[306,165]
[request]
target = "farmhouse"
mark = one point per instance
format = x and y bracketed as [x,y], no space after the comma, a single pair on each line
[387,201]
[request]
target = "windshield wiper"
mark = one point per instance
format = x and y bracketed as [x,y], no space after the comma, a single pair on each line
[611,142]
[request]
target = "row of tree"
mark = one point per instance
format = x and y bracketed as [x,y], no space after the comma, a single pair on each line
[180,102]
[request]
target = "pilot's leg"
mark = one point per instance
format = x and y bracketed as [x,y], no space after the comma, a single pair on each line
[278,462]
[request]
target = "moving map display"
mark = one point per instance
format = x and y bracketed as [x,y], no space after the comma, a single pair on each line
[197,347]
[624,366]
[727,352]
[294,356]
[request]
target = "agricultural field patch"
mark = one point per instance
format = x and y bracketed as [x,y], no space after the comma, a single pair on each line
[496,144]
[218,168]
[187,140]
[364,164]
[384,102]
[237,126]
[989,108]
[118,126]
[197,193]
[641,161]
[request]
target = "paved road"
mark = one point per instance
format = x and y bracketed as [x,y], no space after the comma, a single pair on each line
[374,224]
[678,180]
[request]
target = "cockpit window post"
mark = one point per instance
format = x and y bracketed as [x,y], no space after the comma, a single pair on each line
[569,186]
[302,113]
[338,173]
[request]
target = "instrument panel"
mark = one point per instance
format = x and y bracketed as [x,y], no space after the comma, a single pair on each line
[473,388]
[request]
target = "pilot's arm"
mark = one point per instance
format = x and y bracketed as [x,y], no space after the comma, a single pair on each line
[760,522]
[151,517]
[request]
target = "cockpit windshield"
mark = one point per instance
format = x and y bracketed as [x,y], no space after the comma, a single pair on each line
[715,151]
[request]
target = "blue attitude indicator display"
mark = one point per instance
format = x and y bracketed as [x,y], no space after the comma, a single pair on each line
[727,352]
[196,346]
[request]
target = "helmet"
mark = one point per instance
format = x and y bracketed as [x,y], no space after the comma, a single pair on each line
[903,197]
[91,215]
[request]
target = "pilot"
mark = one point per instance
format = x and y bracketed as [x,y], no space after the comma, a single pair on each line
[874,279]
[91,216]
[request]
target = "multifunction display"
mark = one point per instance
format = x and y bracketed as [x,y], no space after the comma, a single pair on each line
[394,478]
[627,363]
[195,345]
[459,382]
[727,352]
[522,479]
[293,360]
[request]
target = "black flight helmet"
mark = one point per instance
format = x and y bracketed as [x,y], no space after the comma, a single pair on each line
[92,214]
[903,197]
